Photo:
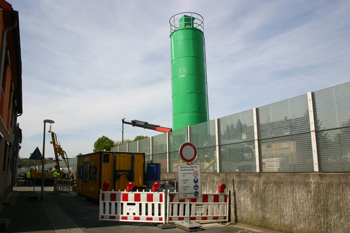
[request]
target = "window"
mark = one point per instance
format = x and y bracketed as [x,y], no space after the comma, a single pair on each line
[93,173]
[81,172]
[106,158]
[86,169]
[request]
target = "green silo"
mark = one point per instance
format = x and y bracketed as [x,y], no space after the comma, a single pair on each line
[188,70]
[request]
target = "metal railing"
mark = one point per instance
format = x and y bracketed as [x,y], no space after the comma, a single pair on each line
[186,20]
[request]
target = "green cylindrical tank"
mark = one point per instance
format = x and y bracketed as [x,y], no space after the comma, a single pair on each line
[188,70]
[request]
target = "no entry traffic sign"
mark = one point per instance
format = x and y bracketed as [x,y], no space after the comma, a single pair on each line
[188,152]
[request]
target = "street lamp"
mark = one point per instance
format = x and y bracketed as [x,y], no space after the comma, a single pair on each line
[123,130]
[43,159]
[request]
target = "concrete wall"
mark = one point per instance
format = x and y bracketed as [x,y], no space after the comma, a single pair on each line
[288,202]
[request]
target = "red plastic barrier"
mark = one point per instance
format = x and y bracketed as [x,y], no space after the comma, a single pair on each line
[106,186]
[130,186]
[221,188]
[155,186]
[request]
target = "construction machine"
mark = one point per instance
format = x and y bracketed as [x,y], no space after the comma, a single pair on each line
[145,125]
[59,153]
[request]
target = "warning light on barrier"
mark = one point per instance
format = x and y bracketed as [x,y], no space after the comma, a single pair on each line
[105,186]
[155,186]
[221,188]
[130,186]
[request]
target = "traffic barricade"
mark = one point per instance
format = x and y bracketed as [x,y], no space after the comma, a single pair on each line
[208,208]
[62,186]
[132,206]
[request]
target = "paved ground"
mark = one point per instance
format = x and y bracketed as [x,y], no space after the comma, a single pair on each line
[62,213]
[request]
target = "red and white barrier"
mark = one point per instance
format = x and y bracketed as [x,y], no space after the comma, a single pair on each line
[62,186]
[155,207]
[132,206]
[210,207]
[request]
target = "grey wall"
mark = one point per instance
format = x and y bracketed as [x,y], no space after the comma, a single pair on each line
[288,202]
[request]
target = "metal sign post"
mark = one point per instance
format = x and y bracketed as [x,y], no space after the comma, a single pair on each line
[189,180]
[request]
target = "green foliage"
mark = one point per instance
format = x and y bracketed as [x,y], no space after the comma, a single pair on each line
[126,141]
[137,138]
[103,143]
[119,143]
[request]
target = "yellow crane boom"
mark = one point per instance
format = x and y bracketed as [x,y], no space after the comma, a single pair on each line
[59,152]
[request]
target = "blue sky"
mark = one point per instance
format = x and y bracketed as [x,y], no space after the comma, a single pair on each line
[88,64]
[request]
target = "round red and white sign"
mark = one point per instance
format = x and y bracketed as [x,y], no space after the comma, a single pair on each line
[188,152]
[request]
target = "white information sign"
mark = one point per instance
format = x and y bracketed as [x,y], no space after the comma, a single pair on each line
[190,183]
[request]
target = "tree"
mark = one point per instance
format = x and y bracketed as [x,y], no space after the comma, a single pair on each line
[103,143]
[119,143]
[137,138]
[126,141]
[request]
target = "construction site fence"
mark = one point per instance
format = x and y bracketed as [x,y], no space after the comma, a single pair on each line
[307,133]
[63,186]
[208,208]
[132,206]
[162,207]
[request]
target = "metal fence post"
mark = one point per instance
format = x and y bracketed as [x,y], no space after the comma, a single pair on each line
[188,134]
[313,131]
[217,145]
[150,150]
[167,153]
[256,140]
